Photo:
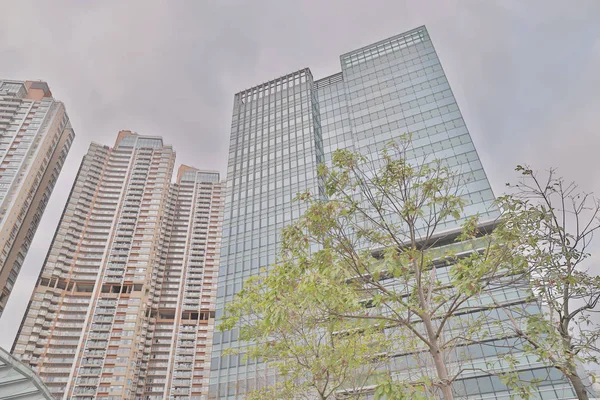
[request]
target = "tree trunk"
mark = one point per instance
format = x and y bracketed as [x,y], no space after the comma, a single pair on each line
[438,360]
[580,390]
[442,372]
[571,370]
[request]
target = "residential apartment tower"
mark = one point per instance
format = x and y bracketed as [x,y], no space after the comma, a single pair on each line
[35,137]
[124,305]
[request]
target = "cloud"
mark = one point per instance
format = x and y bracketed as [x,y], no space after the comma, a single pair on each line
[524,73]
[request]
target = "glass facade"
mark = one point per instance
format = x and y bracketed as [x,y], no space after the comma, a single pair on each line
[281,131]
[19,381]
[274,147]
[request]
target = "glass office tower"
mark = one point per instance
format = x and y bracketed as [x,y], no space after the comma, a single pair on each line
[282,129]
[124,304]
[35,138]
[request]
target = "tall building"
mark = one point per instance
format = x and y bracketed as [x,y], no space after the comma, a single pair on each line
[35,137]
[282,129]
[124,304]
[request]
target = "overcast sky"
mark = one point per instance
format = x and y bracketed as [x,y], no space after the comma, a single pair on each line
[526,76]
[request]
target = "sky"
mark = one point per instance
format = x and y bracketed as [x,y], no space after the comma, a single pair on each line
[526,76]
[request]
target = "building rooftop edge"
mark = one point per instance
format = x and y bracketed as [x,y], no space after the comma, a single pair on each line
[384,40]
[274,80]
[241,92]
[35,89]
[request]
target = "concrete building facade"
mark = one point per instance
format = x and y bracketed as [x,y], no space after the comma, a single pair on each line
[124,304]
[35,137]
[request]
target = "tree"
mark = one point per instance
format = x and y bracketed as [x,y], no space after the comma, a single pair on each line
[316,355]
[384,258]
[551,224]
